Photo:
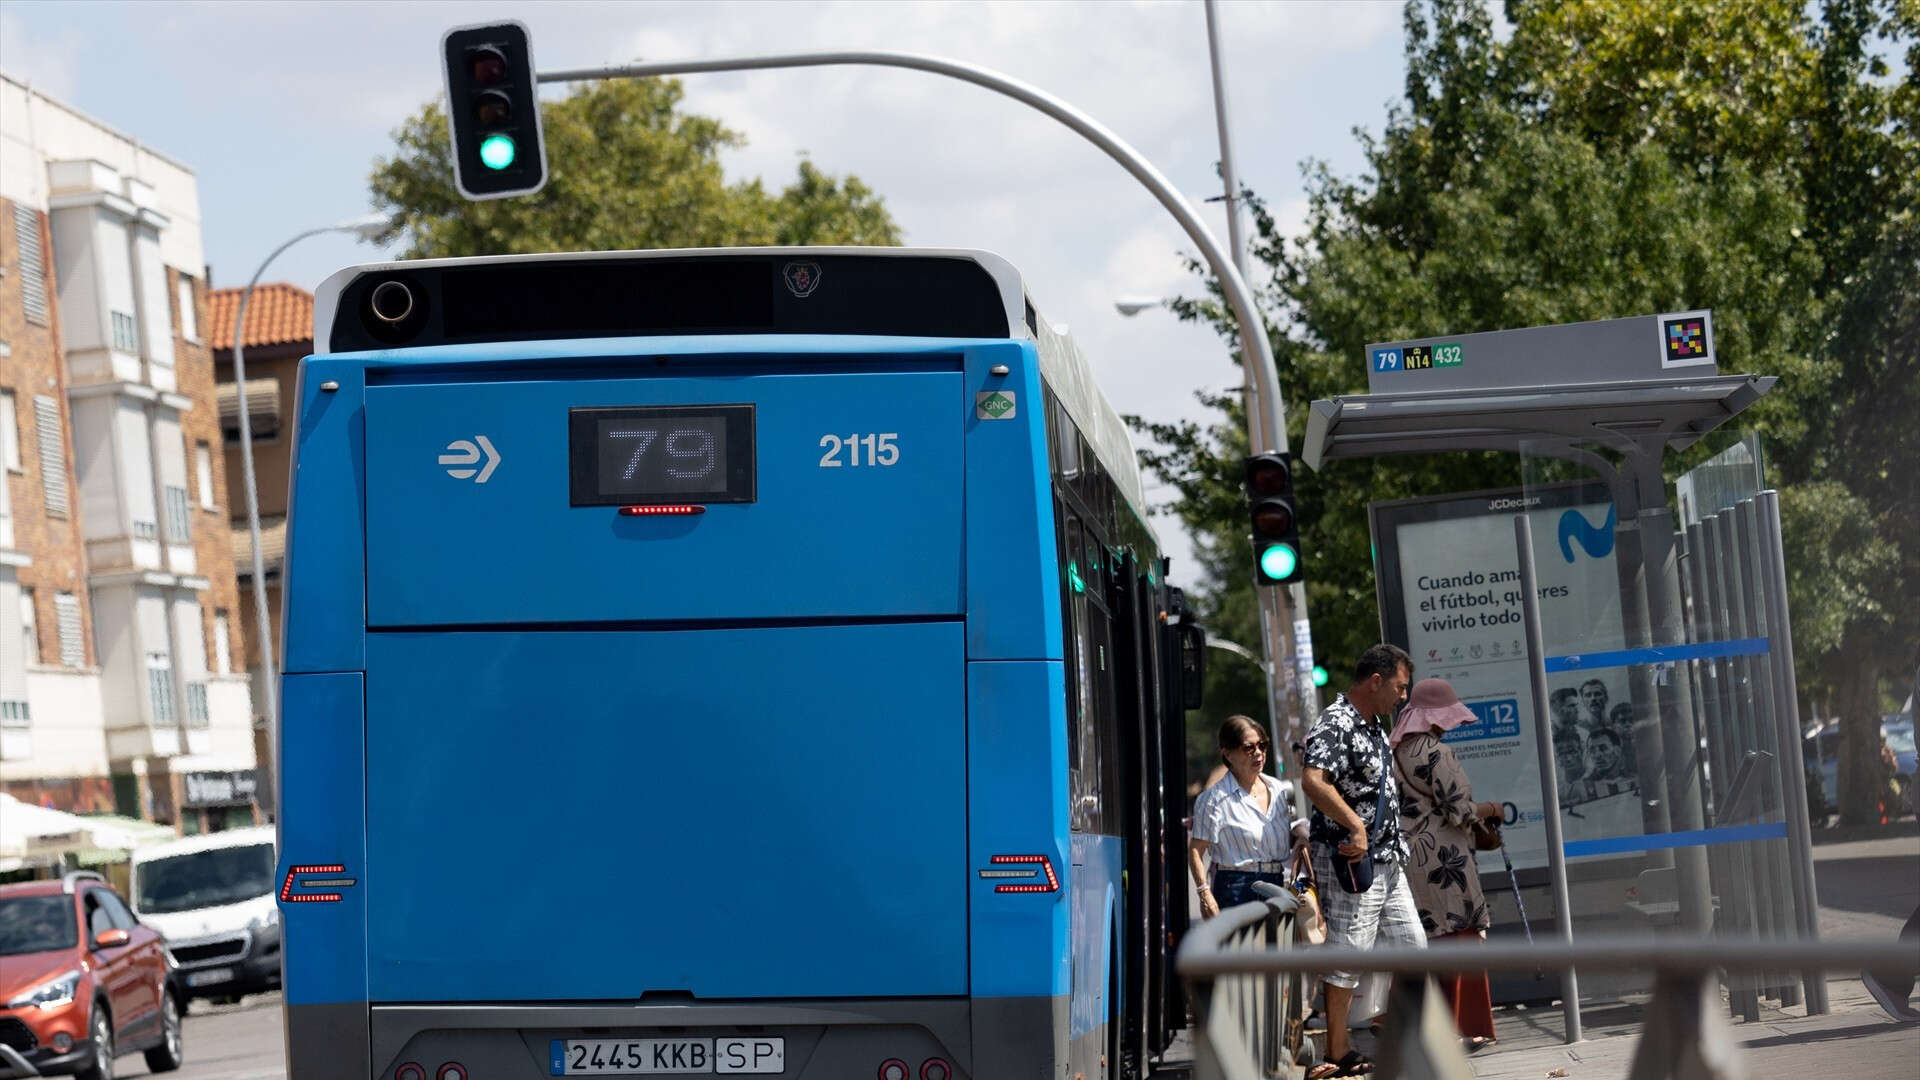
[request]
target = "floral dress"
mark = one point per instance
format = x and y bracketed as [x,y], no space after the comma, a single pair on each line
[1436,809]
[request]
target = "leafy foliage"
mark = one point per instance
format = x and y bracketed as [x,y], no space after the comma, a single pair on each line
[627,169]
[1613,158]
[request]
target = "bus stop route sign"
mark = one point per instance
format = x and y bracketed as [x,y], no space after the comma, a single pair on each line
[1677,345]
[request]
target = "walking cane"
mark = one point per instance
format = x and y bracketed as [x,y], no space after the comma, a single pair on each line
[1514,879]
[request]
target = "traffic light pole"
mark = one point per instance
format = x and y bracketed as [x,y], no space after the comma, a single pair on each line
[1266,430]
[1266,419]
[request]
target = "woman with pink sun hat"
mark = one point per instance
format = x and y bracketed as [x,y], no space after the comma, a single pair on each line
[1438,813]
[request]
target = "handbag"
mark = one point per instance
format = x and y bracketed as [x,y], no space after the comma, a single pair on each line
[1486,834]
[1356,875]
[1309,923]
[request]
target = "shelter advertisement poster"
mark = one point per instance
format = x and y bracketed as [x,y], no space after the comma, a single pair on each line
[1449,590]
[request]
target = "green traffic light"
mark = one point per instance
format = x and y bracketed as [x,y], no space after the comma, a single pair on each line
[1278,562]
[498,151]
[1319,675]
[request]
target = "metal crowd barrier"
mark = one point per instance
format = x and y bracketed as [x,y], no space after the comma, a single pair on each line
[1241,1032]
[1248,1022]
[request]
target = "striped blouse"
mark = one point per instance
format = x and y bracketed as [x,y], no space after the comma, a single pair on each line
[1236,830]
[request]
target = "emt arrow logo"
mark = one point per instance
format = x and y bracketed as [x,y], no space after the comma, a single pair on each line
[460,452]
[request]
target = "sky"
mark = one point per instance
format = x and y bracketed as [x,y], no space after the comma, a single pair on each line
[282,108]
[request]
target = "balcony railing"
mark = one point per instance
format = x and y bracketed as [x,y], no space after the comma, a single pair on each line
[146,530]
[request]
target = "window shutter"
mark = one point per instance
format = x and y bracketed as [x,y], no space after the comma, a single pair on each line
[66,607]
[33,263]
[53,459]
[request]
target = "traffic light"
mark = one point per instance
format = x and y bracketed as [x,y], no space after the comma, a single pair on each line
[498,148]
[1319,675]
[1276,527]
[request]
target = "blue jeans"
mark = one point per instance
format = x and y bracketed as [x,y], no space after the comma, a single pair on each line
[1232,887]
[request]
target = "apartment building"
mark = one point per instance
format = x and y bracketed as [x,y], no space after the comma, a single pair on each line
[278,335]
[119,689]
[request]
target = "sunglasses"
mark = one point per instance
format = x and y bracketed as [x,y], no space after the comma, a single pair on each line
[1260,746]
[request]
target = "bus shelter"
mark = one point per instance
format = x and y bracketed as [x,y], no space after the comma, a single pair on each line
[1665,761]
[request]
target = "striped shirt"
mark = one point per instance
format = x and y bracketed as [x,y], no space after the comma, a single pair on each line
[1237,831]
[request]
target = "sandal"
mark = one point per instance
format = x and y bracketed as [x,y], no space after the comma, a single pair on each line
[1473,1044]
[1354,1064]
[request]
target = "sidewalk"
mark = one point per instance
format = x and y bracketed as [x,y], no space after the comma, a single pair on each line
[1782,1043]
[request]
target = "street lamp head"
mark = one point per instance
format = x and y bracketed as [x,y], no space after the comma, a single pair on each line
[366,227]
[1134,305]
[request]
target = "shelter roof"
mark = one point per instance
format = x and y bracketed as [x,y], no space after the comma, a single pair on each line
[1673,413]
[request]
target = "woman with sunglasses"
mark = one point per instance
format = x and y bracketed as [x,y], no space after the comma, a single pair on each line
[1241,822]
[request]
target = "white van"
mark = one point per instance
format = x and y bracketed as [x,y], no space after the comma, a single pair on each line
[212,898]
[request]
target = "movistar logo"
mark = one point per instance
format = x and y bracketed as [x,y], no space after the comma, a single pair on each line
[1597,540]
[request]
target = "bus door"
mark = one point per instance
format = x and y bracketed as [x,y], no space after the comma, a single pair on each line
[621,751]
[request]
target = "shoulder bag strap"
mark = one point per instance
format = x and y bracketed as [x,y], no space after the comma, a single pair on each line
[1380,811]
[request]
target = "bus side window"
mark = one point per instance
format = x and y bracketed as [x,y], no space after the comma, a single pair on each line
[1079,696]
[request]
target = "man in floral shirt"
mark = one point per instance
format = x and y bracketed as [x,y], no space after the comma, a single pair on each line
[1347,763]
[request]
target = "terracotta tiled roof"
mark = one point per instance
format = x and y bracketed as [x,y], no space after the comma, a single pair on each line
[277,314]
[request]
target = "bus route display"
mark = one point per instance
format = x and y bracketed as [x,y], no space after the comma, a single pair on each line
[639,456]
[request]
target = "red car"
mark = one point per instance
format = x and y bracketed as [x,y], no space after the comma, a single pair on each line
[82,981]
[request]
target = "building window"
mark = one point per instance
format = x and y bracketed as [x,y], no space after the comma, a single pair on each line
[222,643]
[9,432]
[66,611]
[53,458]
[203,473]
[15,714]
[179,516]
[197,706]
[160,689]
[33,264]
[30,628]
[189,324]
[126,332]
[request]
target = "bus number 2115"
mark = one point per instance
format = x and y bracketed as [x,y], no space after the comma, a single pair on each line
[880,450]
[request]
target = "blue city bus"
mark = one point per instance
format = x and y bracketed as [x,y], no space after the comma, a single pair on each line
[748,660]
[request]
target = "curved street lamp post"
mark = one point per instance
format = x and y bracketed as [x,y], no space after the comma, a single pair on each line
[366,228]
[1266,421]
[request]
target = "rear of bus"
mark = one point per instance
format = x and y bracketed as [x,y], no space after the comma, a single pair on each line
[673,673]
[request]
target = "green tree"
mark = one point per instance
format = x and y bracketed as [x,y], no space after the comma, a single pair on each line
[1614,159]
[627,169]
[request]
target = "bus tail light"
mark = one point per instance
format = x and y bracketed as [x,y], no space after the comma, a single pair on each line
[667,510]
[1046,867]
[895,1069]
[935,1069]
[452,1070]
